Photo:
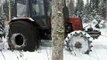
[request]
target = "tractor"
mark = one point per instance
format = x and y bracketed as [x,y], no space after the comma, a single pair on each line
[31,24]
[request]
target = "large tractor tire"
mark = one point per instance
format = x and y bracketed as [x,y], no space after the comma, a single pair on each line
[23,36]
[78,42]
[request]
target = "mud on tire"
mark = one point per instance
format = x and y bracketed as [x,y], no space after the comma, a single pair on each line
[23,36]
[78,42]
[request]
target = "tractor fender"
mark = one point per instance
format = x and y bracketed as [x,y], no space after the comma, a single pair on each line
[22,18]
[27,29]
[26,19]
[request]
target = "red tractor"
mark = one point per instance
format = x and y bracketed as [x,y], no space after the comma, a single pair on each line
[32,23]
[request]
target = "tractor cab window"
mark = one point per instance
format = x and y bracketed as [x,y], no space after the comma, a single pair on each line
[38,8]
[21,8]
[41,7]
[33,8]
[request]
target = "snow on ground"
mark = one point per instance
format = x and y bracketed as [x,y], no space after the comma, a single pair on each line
[99,51]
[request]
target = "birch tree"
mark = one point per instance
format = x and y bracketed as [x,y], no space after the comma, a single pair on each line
[57,23]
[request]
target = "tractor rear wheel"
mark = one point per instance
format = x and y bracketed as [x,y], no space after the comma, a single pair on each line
[22,36]
[78,42]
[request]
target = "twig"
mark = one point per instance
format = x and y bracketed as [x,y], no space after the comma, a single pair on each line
[96,54]
[104,35]
[21,55]
[3,55]
[16,55]
[47,54]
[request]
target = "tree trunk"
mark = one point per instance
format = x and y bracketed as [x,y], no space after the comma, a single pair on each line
[9,10]
[57,23]
[71,8]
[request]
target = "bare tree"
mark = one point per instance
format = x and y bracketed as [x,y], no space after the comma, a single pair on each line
[79,8]
[57,30]
[104,9]
[1,8]
[70,5]
[9,10]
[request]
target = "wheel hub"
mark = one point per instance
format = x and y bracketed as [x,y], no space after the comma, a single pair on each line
[19,40]
[78,45]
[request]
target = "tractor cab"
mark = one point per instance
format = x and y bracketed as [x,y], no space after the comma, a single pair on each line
[39,10]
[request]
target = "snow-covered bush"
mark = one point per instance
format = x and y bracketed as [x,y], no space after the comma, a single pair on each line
[98,22]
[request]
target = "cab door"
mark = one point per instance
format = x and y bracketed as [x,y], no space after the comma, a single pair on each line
[39,13]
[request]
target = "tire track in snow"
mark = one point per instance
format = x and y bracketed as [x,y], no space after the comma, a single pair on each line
[19,55]
[9,55]
[96,54]
[100,48]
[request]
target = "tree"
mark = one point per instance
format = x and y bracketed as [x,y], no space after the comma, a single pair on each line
[70,5]
[95,4]
[1,9]
[79,8]
[57,23]
[104,9]
[9,10]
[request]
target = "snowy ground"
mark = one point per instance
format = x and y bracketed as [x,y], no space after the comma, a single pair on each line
[99,52]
